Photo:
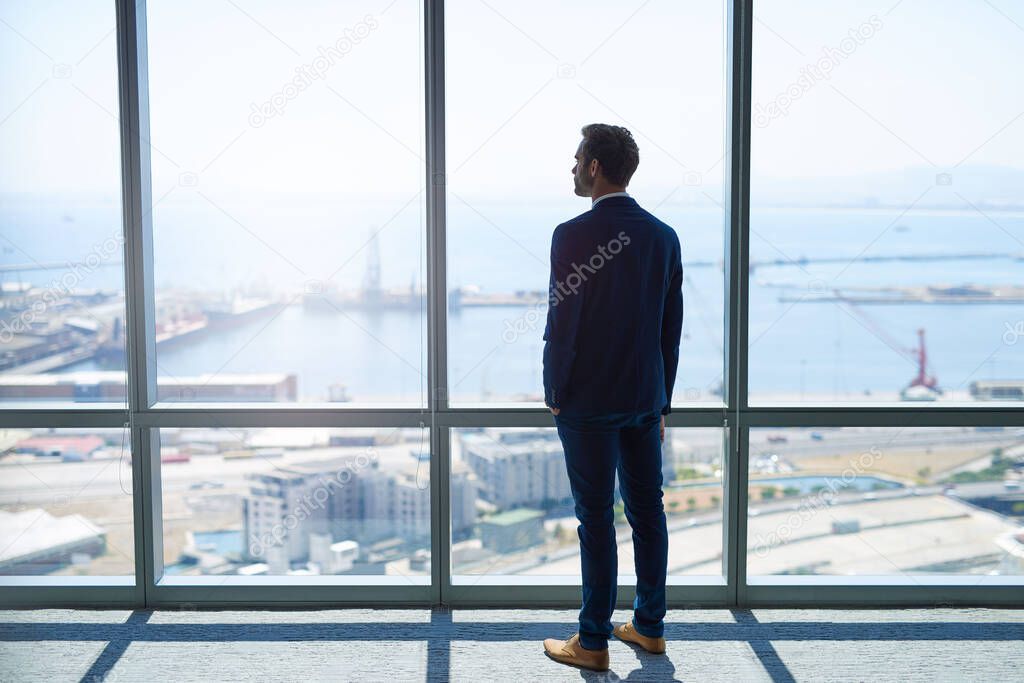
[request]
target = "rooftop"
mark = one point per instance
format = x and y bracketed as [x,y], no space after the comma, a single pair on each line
[511,517]
[47,533]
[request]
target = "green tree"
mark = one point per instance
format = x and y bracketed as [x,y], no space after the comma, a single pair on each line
[687,473]
[620,513]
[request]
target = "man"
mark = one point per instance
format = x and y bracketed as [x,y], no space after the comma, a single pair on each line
[615,313]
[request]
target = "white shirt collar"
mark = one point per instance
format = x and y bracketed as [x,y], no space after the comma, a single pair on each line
[610,194]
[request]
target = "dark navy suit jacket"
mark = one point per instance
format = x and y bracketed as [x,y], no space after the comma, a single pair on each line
[615,312]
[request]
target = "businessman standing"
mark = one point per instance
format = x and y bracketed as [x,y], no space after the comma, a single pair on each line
[615,312]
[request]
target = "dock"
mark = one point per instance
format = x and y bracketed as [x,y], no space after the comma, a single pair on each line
[932,294]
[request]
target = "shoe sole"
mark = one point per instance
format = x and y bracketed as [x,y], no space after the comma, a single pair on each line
[573,664]
[636,644]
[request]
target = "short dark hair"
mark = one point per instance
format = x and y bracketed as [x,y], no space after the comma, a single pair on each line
[615,149]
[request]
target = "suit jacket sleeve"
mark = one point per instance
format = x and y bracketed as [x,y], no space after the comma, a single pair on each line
[672,326]
[565,306]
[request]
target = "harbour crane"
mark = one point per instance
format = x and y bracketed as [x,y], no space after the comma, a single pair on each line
[924,386]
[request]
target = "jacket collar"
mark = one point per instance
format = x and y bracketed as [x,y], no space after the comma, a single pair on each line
[613,199]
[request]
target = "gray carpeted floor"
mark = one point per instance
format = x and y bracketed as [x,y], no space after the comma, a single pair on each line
[489,645]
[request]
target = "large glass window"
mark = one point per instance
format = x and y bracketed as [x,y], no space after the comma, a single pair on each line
[522,80]
[513,513]
[287,153]
[887,185]
[296,502]
[66,503]
[62,311]
[886,501]
[286,150]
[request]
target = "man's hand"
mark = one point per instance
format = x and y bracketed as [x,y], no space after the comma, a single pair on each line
[663,429]
[554,411]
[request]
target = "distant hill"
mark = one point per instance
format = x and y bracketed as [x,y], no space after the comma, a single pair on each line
[987,187]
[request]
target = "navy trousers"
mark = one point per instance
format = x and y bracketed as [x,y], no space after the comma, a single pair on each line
[595,449]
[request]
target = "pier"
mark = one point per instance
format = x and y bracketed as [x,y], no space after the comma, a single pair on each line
[932,294]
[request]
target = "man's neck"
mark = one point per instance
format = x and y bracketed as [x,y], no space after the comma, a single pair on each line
[597,196]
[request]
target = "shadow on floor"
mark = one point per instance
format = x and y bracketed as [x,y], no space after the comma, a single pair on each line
[442,631]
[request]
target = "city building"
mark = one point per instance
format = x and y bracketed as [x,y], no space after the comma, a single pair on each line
[517,467]
[109,386]
[513,530]
[61,446]
[346,499]
[998,390]
[54,542]
[278,513]
[463,495]
[331,557]
[527,467]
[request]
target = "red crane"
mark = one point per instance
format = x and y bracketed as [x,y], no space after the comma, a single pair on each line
[917,355]
[923,379]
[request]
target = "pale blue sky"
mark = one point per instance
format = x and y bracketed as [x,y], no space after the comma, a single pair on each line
[936,82]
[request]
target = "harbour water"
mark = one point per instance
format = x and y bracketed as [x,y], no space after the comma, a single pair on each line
[798,347]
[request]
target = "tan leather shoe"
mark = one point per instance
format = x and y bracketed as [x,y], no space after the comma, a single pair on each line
[627,633]
[572,653]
